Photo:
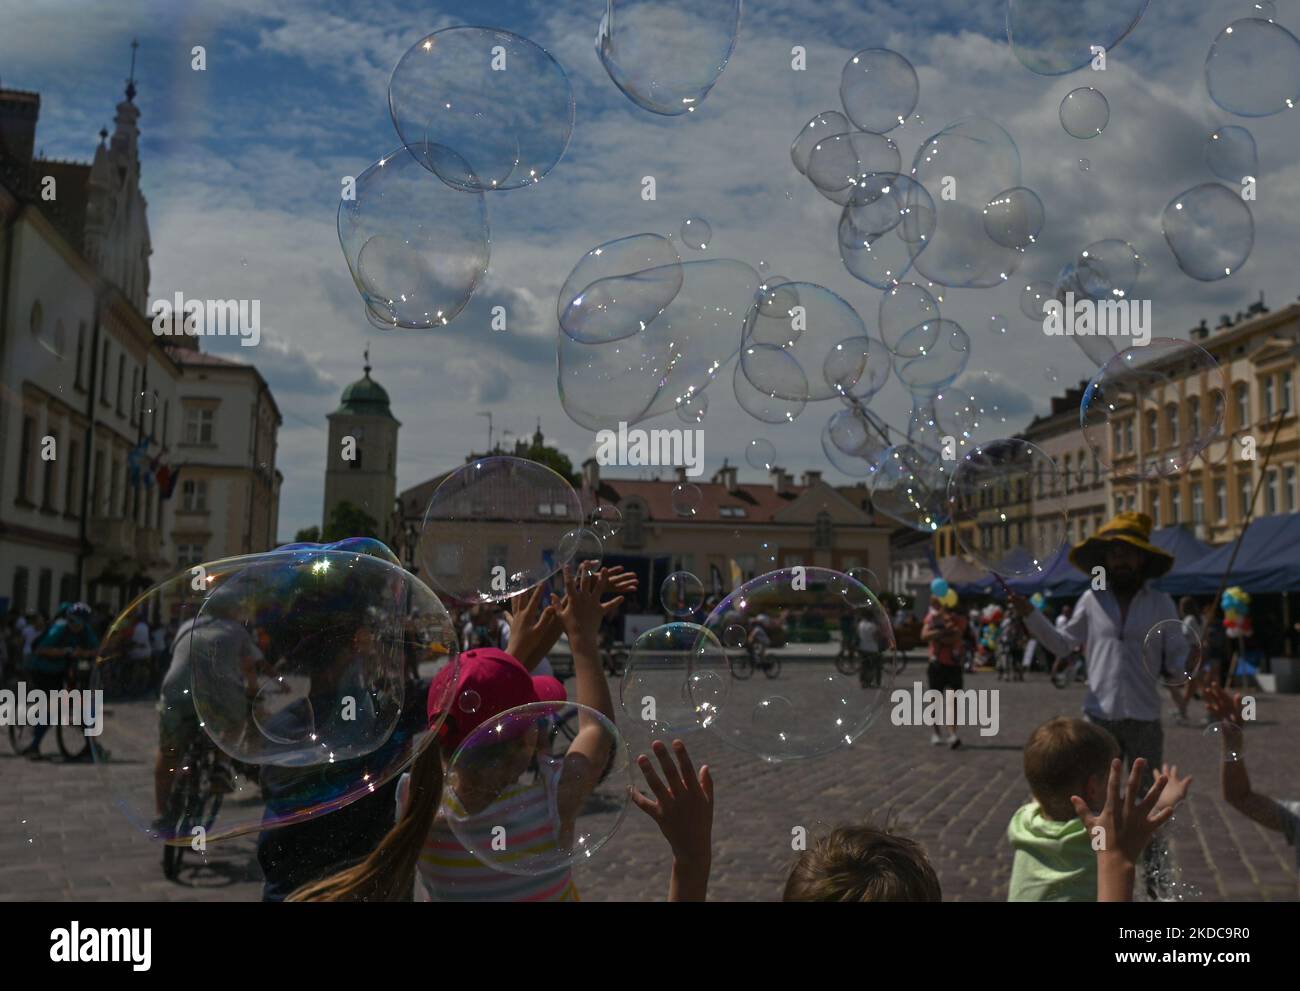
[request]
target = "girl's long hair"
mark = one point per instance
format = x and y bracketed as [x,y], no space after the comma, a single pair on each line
[388,874]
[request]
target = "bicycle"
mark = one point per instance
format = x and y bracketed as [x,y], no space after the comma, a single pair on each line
[755,657]
[191,802]
[73,742]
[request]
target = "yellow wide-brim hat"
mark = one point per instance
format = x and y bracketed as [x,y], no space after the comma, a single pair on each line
[1131,528]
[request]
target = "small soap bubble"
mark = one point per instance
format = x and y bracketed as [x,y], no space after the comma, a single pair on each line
[760,453]
[687,499]
[470,701]
[1085,112]
[696,233]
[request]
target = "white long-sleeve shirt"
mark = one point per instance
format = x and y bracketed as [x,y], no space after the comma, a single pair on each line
[1121,684]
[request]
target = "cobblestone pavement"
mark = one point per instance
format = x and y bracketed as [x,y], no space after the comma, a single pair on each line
[61,836]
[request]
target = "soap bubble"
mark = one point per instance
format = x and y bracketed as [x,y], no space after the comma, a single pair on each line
[776,298]
[1085,112]
[606,521]
[681,594]
[263,643]
[932,355]
[810,709]
[781,377]
[619,288]
[490,505]
[518,762]
[1108,269]
[881,203]
[816,326]
[696,233]
[1210,230]
[879,260]
[482,108]
[1053,37]
[971,408]
[825,124]
[910,486]
[582,549]
[854,441]
[1171,652]
[1014,217]
[1085,165]
[998,325]
[676,681]
[1253,68]
[1144,382]
[840,162]
[992,507]
[1231,155]
[665,55]
[979,157]
[760,454]
[1034,296]
[879,89]
[858,367]
[687,499]
[903,307]
[603,385]
[416,247]
[1220,732]
[693,409]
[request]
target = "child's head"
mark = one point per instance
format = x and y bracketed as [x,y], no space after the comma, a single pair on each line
[1066,757]
[863,864]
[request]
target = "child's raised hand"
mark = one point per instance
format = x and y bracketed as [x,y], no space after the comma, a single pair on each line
[1177,789]
[1222,706]
[684,807]
[532,633]
[621,582]
[1126,824]
[580,610]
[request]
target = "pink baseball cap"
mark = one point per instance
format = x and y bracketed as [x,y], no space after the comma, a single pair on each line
[491,681]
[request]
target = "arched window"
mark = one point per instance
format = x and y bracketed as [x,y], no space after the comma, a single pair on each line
[633,525]
[823,532]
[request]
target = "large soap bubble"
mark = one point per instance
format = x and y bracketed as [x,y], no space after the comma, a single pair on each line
[777,392]
[482,108]
[885,201]
[910,486]
[665,55]
[676,681]
[879,89]
[840,162]
[538,788]
[493,528]
[991,500]
[811,708]
[1171,653]
[879,260]
[1107,269]
[417,248]
[603,385]
[903,307]
[268,656]
[1210,230]
[857,367]
[974,159]
[1253,68]
[1053,37]
[618,288]
[823,125]
[1231,155]
[816,327]
[1014,217]
[931,355]
[1140,389]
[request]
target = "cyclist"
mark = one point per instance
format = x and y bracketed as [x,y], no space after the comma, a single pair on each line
[69,638]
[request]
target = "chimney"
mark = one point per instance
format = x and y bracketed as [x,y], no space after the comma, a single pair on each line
[1225,321]
[726,475]
[591,475]
[1201,332]
[781,480]
[681,475]
[18,113]
[811,478]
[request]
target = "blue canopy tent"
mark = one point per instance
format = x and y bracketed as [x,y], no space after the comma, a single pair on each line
[1182,545]
[1269,561]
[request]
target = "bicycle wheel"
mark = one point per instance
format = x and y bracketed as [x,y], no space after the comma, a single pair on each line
[20,738]
[772,667]
[742,667]
[74,744]
[847,665]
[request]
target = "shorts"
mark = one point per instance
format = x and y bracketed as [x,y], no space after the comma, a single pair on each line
[178,725]
[944,676]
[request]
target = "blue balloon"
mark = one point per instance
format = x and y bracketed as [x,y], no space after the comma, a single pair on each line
[939,587]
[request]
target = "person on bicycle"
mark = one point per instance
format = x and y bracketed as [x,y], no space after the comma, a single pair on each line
[868,634]
[67,639]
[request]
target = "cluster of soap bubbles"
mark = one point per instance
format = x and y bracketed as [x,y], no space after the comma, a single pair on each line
[476,110]
[293,664]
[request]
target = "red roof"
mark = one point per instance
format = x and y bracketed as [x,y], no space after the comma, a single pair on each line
[761,503]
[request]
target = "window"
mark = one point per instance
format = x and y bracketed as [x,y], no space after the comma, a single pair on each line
[1155,510]
[354,462]
[44,589]
[167,422]
[1270,397]
[81,354]
[1242,395]
[135,395]
[121,378]
[68,588]
[1290,488]
[1175,507]
[1069,531]
[1171,421]
[70,478]
[1198,504]
[1153,431]
[1081,470]
[96,493]
[1096,469]
[1065,476]
[153,415]
[823,532]
[1220,500]
[1270,492]
[1286,392]
[1128,435]
[633,519]
[188,555]
[194,496]
[543,509]
[103,370]
[1116,440]
[26,443]
[1194,415]
[559,508]
[19,597]
[733,512]
[198,426]
[113,504]
[1243,494]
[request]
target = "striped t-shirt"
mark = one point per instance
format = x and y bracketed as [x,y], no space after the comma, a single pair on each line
[448,871]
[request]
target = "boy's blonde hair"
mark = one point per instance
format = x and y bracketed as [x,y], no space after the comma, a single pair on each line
[863,864]
[1060,758]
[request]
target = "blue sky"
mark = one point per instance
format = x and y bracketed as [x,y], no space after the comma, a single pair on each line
[242,165]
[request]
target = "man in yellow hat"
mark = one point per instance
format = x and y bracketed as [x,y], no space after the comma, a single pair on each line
[1110,623]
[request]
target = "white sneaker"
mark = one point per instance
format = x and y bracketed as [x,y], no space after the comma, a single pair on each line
[936,740]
